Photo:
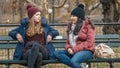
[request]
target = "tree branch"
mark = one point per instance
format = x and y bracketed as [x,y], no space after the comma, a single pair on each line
[61,5]
[29,1]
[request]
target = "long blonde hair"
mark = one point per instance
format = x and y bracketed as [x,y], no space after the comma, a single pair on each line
[34,28]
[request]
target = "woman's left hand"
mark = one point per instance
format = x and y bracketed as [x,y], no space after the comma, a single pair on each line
[70,51]
[49,38]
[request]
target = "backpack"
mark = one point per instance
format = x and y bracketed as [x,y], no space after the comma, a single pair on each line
[103,51]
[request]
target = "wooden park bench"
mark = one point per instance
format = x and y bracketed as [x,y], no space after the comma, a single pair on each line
[8,44]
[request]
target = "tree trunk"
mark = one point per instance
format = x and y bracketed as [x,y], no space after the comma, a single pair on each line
[21,10]
[111,14]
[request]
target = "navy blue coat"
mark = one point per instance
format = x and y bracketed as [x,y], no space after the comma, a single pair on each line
[21,29]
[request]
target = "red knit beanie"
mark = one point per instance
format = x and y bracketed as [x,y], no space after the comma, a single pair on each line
[31,10]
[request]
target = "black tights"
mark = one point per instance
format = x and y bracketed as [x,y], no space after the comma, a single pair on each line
[35,55]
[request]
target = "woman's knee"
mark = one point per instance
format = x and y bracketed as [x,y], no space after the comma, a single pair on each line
[35,46]
[58,52]
[74,61]
[40,56]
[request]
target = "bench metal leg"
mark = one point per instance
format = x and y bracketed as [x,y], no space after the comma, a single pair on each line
[89,65]
[7,66]
[111,65]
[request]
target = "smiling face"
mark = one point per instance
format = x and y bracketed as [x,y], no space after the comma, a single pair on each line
[37,16]
[34,25]
[74,19]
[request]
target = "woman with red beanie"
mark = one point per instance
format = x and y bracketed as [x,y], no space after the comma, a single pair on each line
[34,37]
[80,40]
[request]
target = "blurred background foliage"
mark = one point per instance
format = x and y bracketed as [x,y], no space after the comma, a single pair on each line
[58,11]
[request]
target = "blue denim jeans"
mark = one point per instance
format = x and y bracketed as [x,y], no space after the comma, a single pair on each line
[75,60]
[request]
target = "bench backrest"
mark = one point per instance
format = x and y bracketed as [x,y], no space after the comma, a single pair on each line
[59,41]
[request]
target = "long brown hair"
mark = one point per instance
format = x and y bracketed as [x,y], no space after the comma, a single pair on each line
[34,28]
[77,27]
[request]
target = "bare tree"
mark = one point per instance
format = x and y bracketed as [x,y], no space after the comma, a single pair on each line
[21,4]
[111,14]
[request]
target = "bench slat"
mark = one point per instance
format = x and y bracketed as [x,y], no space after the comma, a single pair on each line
[106,36]
[104,60]
[25,62]
[56,45]
[61,44]
[56,61]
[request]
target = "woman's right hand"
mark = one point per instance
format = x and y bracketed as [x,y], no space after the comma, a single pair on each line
[70,51]
[19,38]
